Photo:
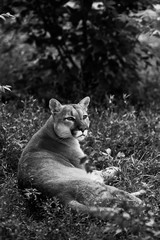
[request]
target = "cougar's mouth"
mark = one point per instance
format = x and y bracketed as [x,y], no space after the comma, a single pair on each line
[79,135]
[82,135]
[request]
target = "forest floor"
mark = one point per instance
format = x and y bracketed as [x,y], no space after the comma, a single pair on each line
[126,139]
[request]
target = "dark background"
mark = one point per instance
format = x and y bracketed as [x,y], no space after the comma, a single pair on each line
[69,49]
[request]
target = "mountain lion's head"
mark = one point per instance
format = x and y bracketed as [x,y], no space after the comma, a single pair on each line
[70,121]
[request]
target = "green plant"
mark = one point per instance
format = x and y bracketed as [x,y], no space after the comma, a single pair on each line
[4,88]
[79,49]
[5,16]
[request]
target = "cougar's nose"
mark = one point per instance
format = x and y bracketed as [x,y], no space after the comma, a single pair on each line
[83,128]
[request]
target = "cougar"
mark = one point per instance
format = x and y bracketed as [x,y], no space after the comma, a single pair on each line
[54,163]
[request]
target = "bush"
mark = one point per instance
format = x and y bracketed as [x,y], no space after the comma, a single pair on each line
[79,50]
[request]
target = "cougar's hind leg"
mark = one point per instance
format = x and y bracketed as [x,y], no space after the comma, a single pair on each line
[122,196]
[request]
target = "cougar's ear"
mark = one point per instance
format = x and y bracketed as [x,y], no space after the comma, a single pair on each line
[55,106]
[85,102]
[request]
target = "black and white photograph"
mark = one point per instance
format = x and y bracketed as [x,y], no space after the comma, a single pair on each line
[79,120]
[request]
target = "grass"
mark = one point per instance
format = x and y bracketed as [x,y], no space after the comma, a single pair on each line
[120,138]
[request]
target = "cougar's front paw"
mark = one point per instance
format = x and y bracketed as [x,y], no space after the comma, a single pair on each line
[110,173]
[87,164]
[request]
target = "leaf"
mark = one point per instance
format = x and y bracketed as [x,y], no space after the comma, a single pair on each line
[123,18]
[7,87]
[157,7]
[98,6]
[151,40]
[1,17]
[3,88]
[6,15]
[120,155]
[126,216]
[150,223]
[146,15]
[109,4]
[118,231]
[108,151]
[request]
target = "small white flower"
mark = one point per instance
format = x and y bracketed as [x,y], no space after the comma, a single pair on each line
[108,151]
[120,155]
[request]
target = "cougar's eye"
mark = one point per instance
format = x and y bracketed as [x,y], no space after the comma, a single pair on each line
[85,116]
[70,119]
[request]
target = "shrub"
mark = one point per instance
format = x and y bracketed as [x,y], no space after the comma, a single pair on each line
[79,49]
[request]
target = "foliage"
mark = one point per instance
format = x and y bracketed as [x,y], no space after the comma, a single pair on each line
[5,16]
[148,21]
[80,49]
[123,139]
[5,88]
